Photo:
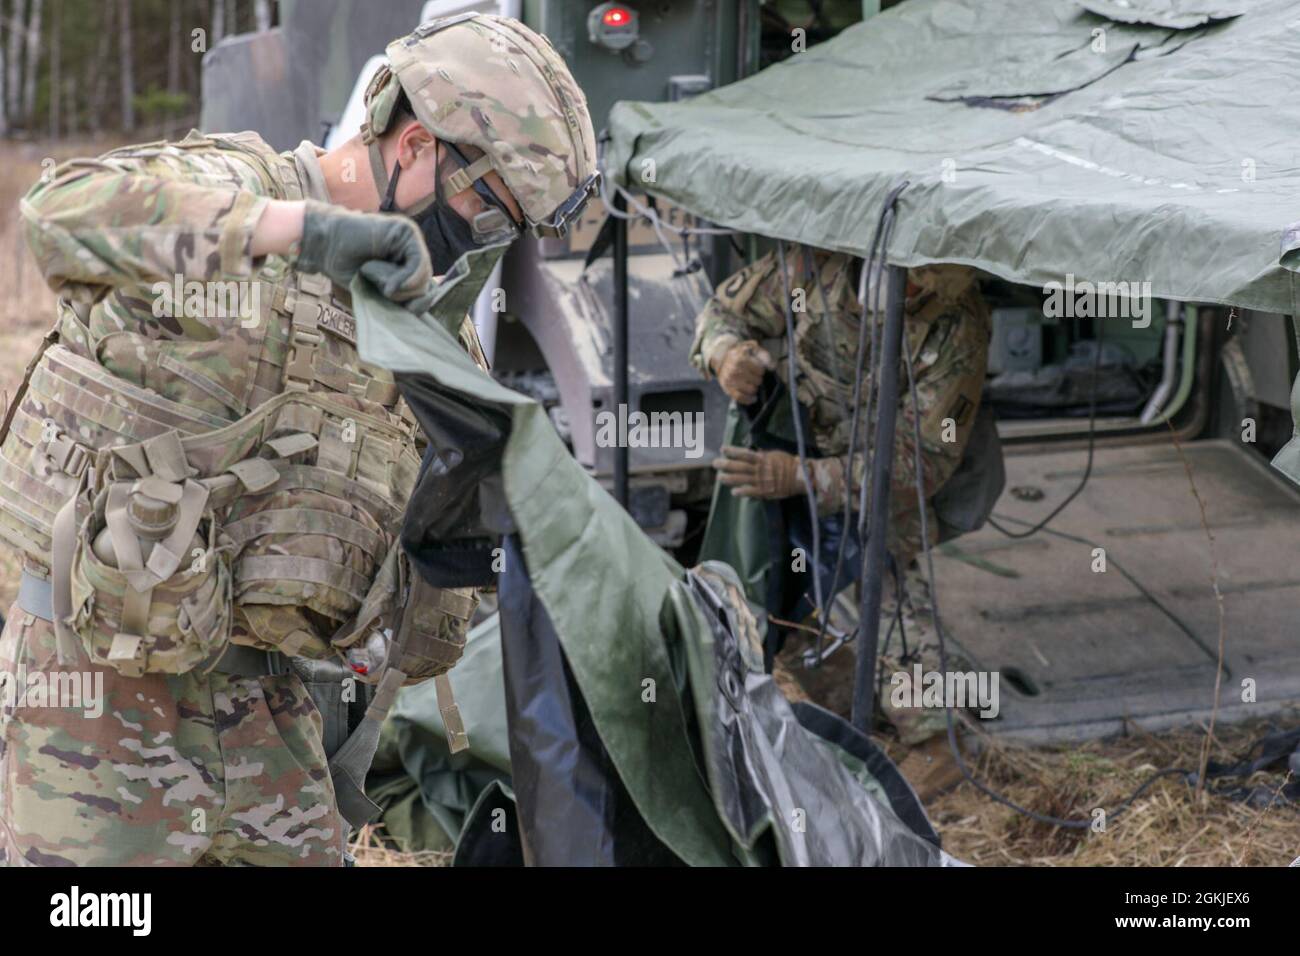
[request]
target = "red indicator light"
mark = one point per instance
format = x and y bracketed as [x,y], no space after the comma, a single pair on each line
[616,17]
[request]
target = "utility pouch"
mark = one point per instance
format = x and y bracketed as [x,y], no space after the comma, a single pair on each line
[430,639]
[427,639]
[436,621]
[431,630]
[149,574]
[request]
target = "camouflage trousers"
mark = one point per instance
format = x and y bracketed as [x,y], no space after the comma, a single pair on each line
[899,651]
[161,770]
[910,640]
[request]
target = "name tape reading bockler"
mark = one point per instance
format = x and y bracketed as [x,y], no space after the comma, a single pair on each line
[78,909]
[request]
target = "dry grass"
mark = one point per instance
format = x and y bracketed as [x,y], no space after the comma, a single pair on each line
[370,850]
[1169,825]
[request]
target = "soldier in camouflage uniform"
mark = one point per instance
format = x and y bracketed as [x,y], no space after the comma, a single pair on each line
[208,499]
[741,335]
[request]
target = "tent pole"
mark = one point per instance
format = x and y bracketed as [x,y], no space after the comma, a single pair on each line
[620,344]
[882,467]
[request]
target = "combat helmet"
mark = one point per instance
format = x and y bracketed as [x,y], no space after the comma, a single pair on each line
[492,83]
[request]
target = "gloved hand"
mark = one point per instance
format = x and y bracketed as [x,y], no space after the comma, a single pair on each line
[759,474]
[741,369]
[388,250]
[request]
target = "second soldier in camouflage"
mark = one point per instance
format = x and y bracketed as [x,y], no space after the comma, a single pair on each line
[741,336]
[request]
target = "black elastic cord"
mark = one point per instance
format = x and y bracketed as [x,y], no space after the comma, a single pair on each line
[390,197]
[867,324]
[1092,447]
[879,523]
[792,372]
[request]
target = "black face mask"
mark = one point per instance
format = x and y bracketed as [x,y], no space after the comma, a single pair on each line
[446,235]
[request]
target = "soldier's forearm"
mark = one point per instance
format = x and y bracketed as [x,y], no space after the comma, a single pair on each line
[716,330]
[92,227]
[278,229]
[708,357]
[827,476]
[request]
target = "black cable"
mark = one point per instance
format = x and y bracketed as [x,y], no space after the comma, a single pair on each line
[1092,447]
[792,387]
[867,323]
[879,523]
[1087,473]
[895,622]
[828,317]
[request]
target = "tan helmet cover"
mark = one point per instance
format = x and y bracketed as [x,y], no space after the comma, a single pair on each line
[492,83]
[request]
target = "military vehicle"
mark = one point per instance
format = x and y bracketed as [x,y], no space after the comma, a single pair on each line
[1203,387]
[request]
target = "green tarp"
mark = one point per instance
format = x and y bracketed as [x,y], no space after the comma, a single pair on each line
[1040,140]
[425,790]
[640,648]
[580,545]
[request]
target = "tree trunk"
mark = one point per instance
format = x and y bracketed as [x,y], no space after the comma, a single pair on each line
[31,61]
[174,49]
[218,22]
[4,86]
[127,61]
[99,70]
[13,61]
[196,12]
[70,105]
[56,64]
[263,13]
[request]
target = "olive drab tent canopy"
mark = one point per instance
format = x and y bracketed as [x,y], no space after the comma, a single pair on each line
[1148,140]
[642,728]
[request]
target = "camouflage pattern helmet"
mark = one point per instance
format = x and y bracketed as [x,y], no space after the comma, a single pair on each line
[492,83]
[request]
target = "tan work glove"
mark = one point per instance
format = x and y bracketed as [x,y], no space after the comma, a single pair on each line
[759,474]
[741,369]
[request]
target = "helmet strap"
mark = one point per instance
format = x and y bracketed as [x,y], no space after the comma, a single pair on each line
[382,184]
[387,187]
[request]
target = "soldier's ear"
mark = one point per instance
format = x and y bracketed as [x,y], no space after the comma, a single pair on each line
[411,142]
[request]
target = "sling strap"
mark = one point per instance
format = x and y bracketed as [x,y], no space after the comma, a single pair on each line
[34,595]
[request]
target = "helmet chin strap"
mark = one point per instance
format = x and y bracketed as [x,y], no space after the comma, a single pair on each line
[386,185]
[378,171]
